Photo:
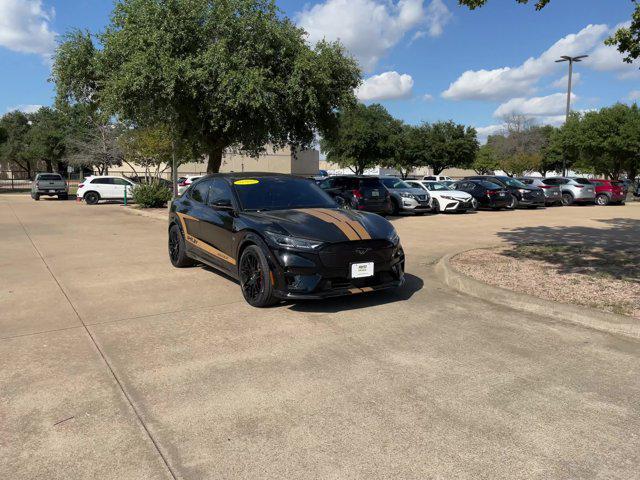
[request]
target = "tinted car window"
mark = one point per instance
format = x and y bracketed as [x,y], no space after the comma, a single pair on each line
[526,181]
[49,176]
[120,181]
[489,185]
[370,183]
[102,181]
[219,192]
[328,183]
[199,191]
[281,193]
[582,181]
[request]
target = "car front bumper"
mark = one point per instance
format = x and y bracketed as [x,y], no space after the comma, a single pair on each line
[456,205]
[299,275]
[415,206]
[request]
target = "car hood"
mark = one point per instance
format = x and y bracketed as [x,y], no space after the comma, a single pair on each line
[323,224]
[451,193]
[413,191]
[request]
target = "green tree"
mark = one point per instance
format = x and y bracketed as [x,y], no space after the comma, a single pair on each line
[486,161]
[407,150]
[233,73]
[46,139]
[14,150]
[448,145]
[365,136]
[627,39]
[610,140]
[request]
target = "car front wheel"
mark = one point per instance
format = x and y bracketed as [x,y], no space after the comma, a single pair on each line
[178,249]
[567,199]
[255,278]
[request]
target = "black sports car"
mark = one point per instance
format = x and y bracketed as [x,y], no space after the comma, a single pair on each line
[282,237]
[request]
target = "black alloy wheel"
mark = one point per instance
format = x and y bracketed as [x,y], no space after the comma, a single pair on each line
[177,248]
[514,203]
[567,199]
[255,278]
[436,206]
[91,198]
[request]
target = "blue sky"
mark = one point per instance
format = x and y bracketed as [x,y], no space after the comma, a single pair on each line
[425,60]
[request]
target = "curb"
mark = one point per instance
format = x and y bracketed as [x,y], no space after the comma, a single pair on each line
[585,316]
[154,214]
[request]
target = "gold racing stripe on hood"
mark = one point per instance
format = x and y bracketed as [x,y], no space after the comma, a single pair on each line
[344,227]
[357,226]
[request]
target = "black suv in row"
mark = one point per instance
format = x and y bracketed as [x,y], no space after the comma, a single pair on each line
[521,195]
[360,192]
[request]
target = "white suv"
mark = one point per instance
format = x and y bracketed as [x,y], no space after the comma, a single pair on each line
[93,189]
[186,181]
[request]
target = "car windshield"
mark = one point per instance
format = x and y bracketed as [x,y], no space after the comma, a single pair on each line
[512,182]
[280,193]
[436,186]
[395,183]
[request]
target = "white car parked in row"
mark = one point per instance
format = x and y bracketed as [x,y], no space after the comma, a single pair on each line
[93,189]
[437,178]
[443,199]
[186,181]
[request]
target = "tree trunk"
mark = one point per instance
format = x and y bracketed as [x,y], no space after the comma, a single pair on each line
[49,166]
[214,152]
[437,170]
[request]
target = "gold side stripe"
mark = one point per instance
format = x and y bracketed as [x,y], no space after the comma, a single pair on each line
[199,243]
[344,228]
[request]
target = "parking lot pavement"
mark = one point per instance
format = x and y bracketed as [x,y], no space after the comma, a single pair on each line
[164,373]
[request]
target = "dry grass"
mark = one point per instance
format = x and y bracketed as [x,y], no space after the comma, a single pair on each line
[604,279]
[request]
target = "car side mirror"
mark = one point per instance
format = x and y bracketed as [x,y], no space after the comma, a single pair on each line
[340,201]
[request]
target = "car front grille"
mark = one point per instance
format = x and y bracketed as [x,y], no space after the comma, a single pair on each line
[338,255]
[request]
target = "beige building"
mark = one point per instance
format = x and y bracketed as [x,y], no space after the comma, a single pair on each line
[303,162]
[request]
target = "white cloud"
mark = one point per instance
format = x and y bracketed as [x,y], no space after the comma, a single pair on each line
[25,27]
[503,83]
[484,132]
[386,86]
[427,97]
[634,95]
[563,81]
[550,105]
[25,108]
[369,29]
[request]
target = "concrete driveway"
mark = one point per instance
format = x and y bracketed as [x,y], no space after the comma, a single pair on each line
[114,365]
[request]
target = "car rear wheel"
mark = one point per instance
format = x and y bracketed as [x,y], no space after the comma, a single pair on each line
[36,197]
[178,249]
[395,208]
[63,196]
[513,204]
[91,198]
[255,278]
[602,200]
[436,206]
[567,199]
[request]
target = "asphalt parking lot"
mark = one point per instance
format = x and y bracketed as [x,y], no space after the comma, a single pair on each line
[115,365]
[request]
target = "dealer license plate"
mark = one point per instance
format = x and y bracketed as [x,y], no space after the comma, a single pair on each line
[362,270]
[375,193]
[52,191]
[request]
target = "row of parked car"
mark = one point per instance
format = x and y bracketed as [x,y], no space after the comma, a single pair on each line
[392,195]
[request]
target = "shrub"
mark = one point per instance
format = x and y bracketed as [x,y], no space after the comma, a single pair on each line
[151,195]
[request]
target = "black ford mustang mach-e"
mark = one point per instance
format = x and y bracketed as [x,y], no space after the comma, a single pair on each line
[282,237]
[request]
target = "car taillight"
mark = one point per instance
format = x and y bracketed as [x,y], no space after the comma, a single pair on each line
[492,192]
[81,185]
[579,186]
[182,184]
[357,193]
[545,186]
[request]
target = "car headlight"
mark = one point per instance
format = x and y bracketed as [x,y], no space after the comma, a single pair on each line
[393,237]
[523,191]
[293,243]
[406,195]
[448,197]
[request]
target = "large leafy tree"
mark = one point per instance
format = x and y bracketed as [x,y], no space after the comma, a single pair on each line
[229,73]
[46,139]
[627,39]
[610,141]
[14,150]
[365,136]
[448,145]
[408,150]
[486,161]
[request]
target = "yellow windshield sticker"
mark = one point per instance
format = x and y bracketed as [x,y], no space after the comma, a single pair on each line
[246,182]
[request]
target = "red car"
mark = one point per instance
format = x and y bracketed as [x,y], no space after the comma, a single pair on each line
[609,191]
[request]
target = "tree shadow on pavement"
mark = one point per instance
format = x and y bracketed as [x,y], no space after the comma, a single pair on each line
[612,251]
[411,285]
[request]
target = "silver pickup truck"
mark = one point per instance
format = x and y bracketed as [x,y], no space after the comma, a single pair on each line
[49,184]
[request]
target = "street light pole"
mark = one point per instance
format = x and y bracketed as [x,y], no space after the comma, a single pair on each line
[571,60]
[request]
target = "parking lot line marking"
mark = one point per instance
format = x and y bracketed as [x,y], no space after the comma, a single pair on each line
[99,350]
